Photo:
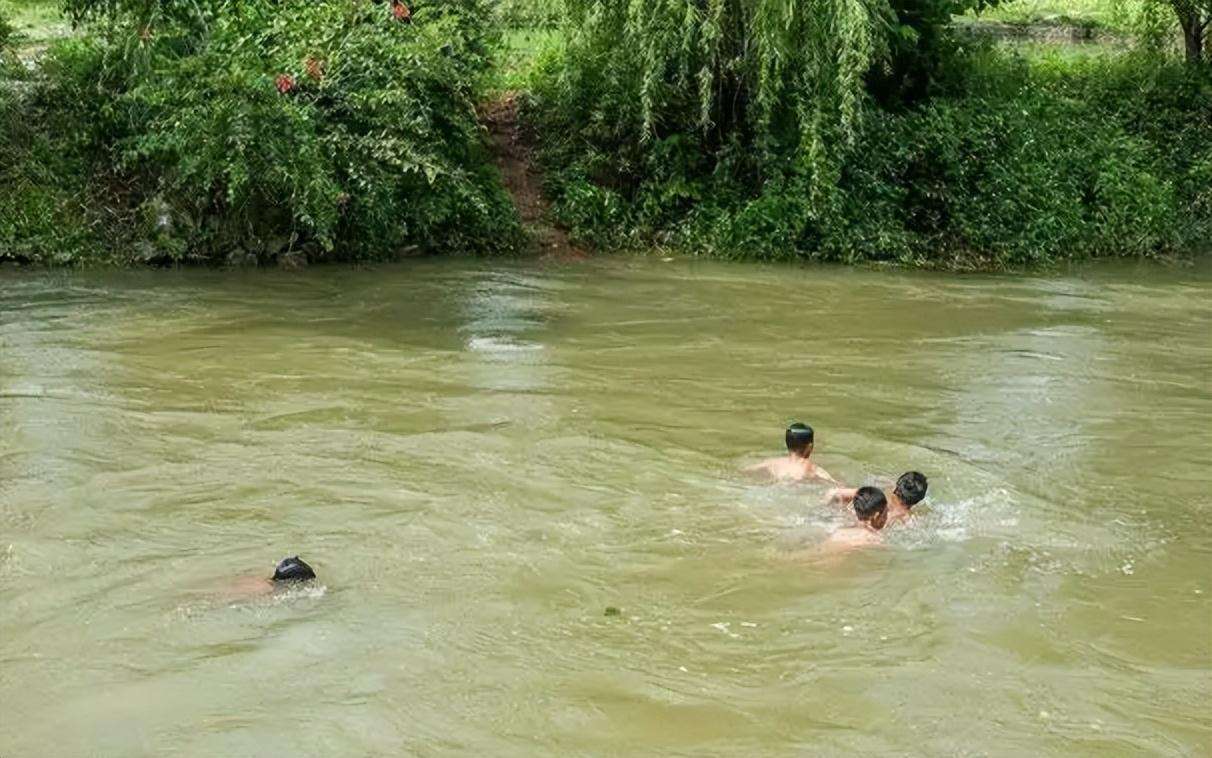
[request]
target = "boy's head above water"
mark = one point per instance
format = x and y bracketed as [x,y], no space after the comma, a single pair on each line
[910,488]
[293,570]
[799,439]
[871,506]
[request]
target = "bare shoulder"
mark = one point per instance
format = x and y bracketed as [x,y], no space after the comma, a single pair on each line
[850,537]
[779,468]
[248,587]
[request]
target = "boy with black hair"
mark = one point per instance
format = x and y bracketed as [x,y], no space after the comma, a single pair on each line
[909,490]
[871,510]
[796,465]
[290,572]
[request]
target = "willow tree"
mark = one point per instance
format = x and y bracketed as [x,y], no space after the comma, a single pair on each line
[735,63]
[789,80]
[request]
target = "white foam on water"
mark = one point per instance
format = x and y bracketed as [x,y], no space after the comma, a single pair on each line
[277,596]
[299,591]
[725,627]
[501,345]
[955,521]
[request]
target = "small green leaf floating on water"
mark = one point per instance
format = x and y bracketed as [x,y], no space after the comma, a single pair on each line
[612,611]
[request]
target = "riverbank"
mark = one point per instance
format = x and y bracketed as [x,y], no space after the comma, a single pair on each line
[513,152]
[1020,155]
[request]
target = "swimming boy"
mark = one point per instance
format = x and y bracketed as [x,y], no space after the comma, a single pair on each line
[796,464]
[871,509]
[909,490]
[289,572]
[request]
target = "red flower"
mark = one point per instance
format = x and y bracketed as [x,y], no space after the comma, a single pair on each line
[285,83]
[400,11]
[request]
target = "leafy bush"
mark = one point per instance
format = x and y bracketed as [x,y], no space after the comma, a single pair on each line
[45,208]
[1012,162]
[339,128]
[1040,160]
[6,32]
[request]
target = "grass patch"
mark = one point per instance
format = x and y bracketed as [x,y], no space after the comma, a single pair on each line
[1110,15]
[520,49]
[35,23]
[530,14]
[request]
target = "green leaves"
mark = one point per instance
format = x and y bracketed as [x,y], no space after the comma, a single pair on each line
[6,34]
[1014,162]
[329,122]
[792,78]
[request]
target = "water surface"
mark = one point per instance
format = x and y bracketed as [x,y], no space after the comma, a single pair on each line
[480,457]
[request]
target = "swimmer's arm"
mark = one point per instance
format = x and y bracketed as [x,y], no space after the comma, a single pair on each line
[841,496]
[766,465]
[823,475]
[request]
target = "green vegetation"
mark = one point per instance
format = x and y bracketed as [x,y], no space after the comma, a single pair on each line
[516,58]
[1155,23]
[917,151]
[531,14]
[1114,15]
[33,23]
[7,33]
[241,130]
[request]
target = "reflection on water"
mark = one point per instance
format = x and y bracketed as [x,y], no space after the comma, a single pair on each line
[478,458]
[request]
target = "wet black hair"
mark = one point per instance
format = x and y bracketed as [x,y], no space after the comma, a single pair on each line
[293,570]
[799,437]
[869,502]
[911,488]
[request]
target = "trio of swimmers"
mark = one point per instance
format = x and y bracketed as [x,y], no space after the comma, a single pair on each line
[873,508]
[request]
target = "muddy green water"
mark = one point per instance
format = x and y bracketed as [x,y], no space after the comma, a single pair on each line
[480,457]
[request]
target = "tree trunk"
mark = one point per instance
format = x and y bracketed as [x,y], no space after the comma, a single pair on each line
[1194,25]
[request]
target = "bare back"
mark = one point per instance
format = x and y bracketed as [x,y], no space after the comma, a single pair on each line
[792,468]
[852,537]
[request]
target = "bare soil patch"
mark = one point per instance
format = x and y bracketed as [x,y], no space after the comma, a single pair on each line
[514,157]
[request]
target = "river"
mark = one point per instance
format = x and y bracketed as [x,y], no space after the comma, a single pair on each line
[480,457]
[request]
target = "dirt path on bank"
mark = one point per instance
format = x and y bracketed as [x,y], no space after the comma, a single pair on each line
[515,159]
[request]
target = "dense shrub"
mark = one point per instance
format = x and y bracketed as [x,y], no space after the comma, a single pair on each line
[1011,161]
[6,33]
[45,213]
[338,128]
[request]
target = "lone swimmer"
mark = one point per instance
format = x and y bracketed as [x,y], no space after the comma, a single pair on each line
[909,490]
[871,510]
[288,573]
[796,465]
